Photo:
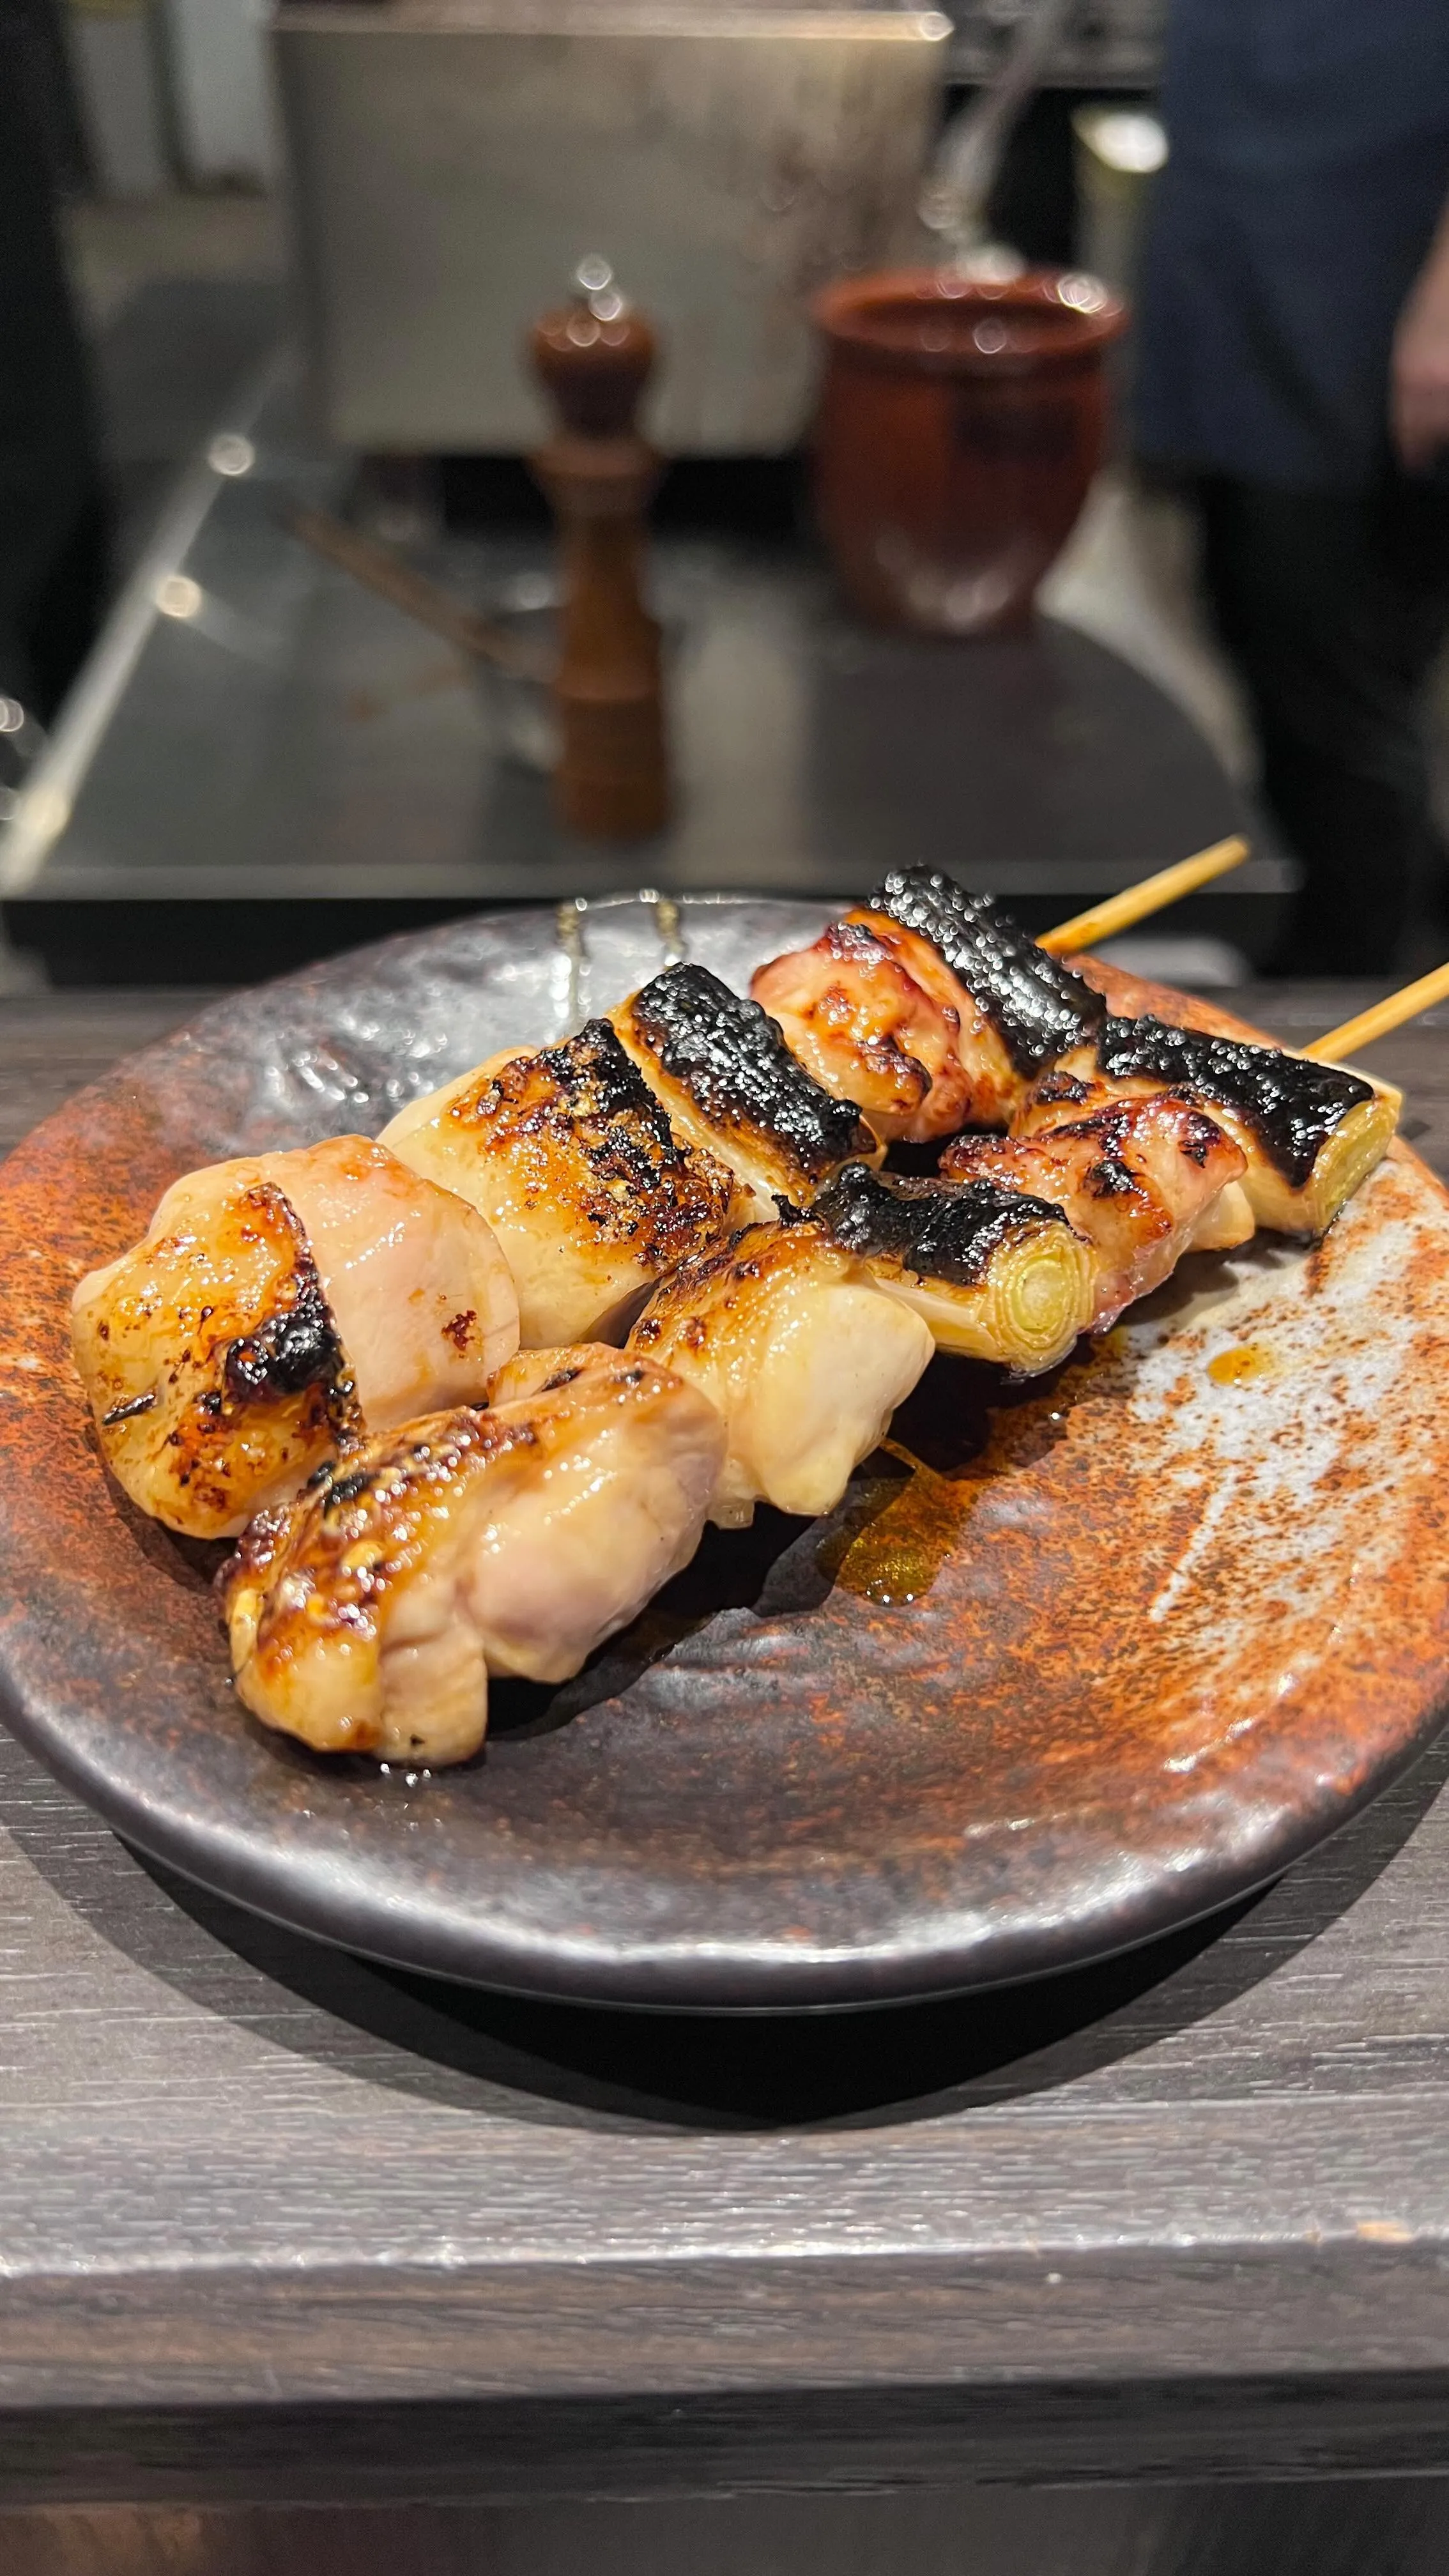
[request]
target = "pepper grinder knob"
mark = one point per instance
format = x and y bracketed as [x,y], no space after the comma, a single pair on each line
[593,358]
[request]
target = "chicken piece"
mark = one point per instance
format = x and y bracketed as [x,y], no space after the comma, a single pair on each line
[367,1616]
[731,1085]
[277,1307]
[573,1162]
[872,1014]
[1136,1179]
[997,1273]
[1309,1132]
[929,1006]
[802,1354]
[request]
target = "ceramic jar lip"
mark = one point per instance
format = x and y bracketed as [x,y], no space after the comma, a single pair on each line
[1045,319]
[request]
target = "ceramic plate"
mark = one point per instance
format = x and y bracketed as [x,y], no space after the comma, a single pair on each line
[1072,1665]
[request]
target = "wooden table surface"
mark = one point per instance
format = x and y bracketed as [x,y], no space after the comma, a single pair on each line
[279,2223]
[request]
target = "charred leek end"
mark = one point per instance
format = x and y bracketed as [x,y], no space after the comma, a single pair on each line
[1026,1313]
[730,1084]
[996,1274]
[1037,1007]
[1342,1165]
[1311,1131]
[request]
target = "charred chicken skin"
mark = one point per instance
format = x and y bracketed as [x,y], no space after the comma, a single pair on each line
[730,1084]
[929,1006]
[590,1190]
[794,1344]
[1137,1179]
[277,1308]
[367,1616]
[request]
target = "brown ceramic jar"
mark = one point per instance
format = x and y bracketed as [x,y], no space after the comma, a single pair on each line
[960,425]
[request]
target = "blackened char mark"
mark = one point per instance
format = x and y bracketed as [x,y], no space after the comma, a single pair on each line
[596,1079]
[1039,1008]
[731,1059]
[940,1229]
[295,1350]
[644,1187]
[1292,1105]
[131,1412]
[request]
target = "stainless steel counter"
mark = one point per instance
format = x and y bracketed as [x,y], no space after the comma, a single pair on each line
[256,729]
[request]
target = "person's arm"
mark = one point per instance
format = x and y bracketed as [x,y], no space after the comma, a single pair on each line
[1419,391]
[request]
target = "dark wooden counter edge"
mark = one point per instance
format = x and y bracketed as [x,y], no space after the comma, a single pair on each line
[830,2376]
[652,2448]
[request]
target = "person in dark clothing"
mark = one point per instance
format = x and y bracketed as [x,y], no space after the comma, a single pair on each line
[53,503]
[1294,365]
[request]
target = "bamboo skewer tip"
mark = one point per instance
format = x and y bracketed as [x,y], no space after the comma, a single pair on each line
[1135,903]
[1381,1018]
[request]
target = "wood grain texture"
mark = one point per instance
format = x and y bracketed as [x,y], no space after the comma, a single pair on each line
[279,2224]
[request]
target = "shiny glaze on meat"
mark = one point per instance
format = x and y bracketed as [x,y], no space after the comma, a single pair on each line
[276,1306]
[929,1006]
[875,1016]
[803,1355]
[574,1163]
[368,1616]
[1137,1178]
[723,1071]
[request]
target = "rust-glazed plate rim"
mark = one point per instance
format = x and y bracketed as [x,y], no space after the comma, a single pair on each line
[714,1827]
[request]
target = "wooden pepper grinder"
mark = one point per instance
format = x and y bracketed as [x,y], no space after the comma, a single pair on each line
[593,358]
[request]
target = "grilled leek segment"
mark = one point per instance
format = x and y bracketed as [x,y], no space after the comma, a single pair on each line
[1310,1133]
[998,1274]
[805,1358]
[732,1086]
[589,1189]
[1140,1181]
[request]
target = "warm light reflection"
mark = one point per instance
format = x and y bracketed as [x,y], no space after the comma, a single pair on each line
[178,595]
[230,453]
[1130,141]
[1083,294]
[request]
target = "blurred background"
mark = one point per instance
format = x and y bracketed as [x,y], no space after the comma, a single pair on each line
[259,269]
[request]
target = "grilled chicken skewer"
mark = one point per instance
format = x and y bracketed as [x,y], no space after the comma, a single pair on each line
[867,1008]
[731,1085]
[575,1165]
[998,1274]
[803,1356]
[277,1308]
[1139,1179]
[1309,1133]
[929,1006]
[367,1616]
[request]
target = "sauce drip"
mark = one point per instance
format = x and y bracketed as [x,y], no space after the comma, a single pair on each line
[1236,1367]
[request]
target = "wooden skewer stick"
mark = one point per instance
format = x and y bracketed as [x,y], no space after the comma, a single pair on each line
[1383,1016]
[1134,904]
